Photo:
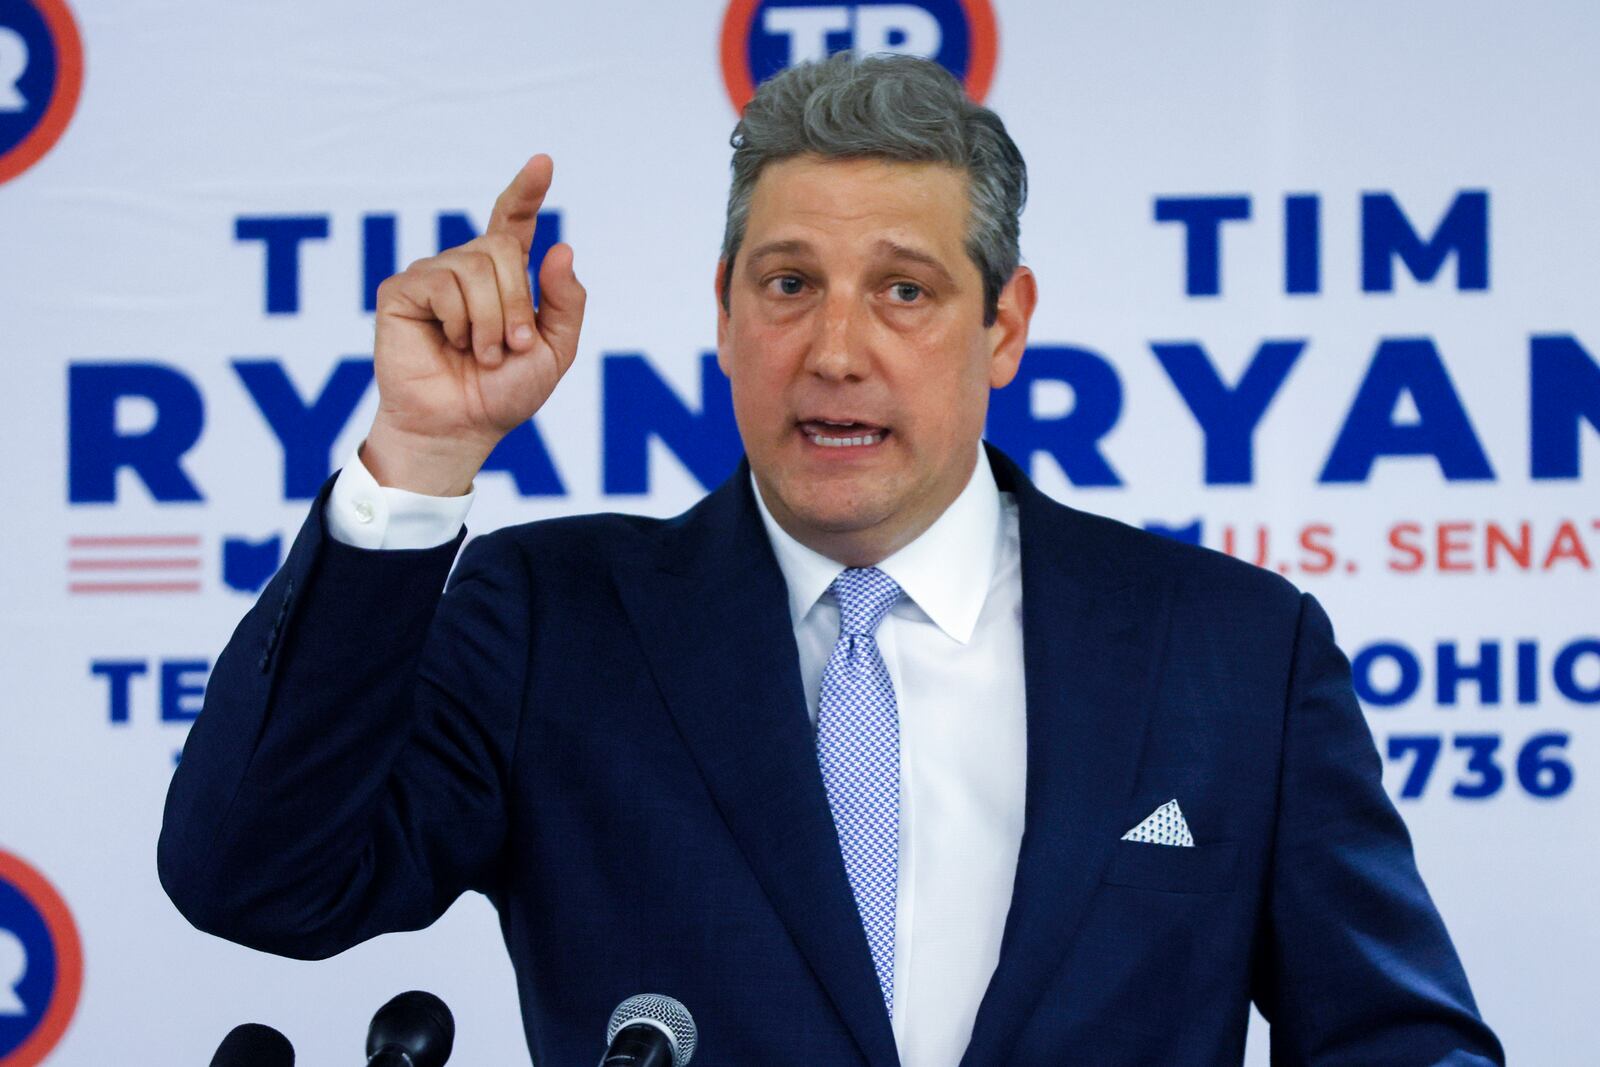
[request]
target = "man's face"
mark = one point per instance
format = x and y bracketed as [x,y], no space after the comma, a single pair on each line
[855,345]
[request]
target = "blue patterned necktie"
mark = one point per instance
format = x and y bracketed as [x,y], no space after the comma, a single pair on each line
[858,745]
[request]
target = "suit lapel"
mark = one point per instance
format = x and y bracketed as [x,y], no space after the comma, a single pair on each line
[1092,638]
[711,611]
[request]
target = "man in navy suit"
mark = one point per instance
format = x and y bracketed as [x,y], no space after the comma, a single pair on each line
[876,755]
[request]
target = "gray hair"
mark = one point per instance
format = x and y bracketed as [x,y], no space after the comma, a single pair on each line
[885,107]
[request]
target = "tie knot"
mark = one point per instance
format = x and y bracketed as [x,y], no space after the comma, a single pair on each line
[865,595]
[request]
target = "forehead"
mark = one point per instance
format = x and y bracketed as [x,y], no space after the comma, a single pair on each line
[859,202]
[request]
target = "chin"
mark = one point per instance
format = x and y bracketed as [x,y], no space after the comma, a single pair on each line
[834,508]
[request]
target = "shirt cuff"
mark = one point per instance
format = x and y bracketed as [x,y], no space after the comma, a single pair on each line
[362,513]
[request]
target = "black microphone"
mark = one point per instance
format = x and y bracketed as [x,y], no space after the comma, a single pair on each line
[414,1029]
[254,1045]
[650,1030]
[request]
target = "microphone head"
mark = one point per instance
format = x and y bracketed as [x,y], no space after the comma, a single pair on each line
[254,1045]
[663,1013]
[416,1023]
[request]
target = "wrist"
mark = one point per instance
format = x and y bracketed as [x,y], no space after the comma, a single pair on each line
[398,460]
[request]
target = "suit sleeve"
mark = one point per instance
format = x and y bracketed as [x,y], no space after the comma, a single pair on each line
[1354,966]
[346,775]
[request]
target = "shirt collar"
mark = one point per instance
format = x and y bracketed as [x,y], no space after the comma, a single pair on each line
[945,571]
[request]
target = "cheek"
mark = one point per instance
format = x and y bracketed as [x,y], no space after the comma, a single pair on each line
[756,407]
[758,369]
[765,350]
[944,400]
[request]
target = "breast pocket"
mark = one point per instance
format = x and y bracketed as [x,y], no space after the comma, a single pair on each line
[1210,868]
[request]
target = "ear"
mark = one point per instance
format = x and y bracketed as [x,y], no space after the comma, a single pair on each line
[722,317]
[1008,337]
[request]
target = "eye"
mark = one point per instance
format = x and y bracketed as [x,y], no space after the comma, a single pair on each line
[906,292]
[788,284]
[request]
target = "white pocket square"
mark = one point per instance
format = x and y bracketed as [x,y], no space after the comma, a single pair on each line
[1164,826]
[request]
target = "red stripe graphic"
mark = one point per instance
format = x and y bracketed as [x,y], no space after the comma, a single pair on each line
[162,563]
[119,566]
[145,541]
[134,587]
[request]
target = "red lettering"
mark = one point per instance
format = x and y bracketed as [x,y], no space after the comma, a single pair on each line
[1314,539]
[1451,549]
[1399,535]
[1566,546]
[1262,535]
[1520,551]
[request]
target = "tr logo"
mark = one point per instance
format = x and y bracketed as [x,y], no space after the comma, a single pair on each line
[41,964]
[41,73]
[762,37]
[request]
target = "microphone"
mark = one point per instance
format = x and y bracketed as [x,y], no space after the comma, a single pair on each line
[254,1045]
[650,1030]
[414,1029]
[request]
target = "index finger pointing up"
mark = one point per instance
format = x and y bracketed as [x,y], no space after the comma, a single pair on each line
[516,210]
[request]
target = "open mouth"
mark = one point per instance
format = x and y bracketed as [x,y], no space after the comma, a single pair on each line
[829,434]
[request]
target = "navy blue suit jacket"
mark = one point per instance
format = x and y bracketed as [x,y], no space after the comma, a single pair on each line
[601,726]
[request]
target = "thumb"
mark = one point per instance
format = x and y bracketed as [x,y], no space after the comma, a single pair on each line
[561,301]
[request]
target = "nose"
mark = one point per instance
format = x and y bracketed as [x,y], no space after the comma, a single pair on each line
[838,349]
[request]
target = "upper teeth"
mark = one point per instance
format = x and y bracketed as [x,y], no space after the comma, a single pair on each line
[843,442]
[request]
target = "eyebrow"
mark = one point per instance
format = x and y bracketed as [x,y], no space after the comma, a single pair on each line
[778,248]
[885,247]
[895,250]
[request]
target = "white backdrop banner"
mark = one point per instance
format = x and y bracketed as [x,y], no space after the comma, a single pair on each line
[1318,290]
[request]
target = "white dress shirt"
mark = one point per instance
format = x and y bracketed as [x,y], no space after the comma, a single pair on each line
[953,646]
[363,513]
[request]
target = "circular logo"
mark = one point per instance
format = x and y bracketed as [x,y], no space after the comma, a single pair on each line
[41,73]
[41,964]
[762,37]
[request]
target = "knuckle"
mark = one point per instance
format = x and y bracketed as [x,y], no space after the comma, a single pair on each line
[503,243]
[473,282]
[431,283]
[449,301]
[407,286]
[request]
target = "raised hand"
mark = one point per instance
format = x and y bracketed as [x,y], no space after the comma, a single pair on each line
[461,356]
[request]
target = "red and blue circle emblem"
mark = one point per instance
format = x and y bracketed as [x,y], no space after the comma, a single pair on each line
[762,37]
[41,76]
[41,964]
